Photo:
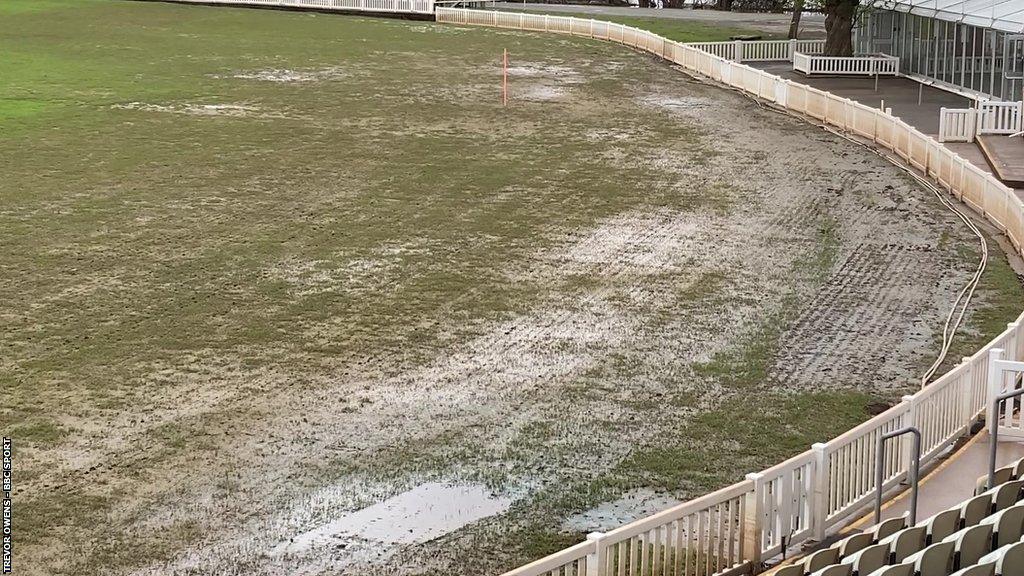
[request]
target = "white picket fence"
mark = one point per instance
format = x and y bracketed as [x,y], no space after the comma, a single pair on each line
[964,124]
[958,124]
[385,6]
[1008,417]
[999,117]
[732,530]
[868,65]
[761,50]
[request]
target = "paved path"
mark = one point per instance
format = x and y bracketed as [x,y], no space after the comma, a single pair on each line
[812,25]
[953,481]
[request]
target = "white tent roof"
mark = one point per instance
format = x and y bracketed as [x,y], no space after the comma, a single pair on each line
[1006,15]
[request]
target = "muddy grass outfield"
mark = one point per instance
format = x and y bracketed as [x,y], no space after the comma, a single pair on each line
[291,293]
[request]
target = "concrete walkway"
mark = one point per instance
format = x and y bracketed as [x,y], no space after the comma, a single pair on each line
[811,25]
[900,94]
[952,481]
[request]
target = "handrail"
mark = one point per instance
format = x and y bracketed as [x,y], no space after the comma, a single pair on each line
[994,435]
[914,469]
[996,365]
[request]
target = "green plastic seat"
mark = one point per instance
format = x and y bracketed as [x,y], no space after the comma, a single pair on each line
[818,560]
[935,560]
[869,559]
[1007,525]
[971,544]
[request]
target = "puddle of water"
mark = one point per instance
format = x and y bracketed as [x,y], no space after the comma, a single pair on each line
[610,515]
[424,513]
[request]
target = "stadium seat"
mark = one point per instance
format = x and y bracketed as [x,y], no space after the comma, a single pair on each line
[853,544]
[820,559]
[895,570]
[1006,495]
[942,524]
[791,570]
[1008,560]
[975,509]
[977,570]
[887,528]
[1007,525]
[971,544]
[1018,469]
[835,570]
[906,542]
[1004,474]
[934,560]
[869,559]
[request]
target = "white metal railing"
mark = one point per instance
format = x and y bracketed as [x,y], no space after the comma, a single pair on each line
[867,65]
[734,529]
[390,6]
[999,117]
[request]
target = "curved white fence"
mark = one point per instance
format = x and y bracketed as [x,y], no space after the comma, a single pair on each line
[730,531]
[384,6]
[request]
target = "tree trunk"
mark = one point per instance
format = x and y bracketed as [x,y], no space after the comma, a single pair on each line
[794,25]
[839,17]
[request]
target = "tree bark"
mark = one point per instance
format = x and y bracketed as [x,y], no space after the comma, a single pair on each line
[839,17]
[794,24]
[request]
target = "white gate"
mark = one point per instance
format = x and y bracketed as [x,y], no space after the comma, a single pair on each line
[957,124]
[999,117]
[1008,416]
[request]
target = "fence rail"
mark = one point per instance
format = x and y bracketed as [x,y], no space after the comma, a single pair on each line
[731,531]
[385,6]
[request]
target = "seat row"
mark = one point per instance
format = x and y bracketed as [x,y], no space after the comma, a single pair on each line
[954,539]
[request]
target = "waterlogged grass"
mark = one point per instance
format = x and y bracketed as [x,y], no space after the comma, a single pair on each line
[1001,295]
[194,196]
[197,196]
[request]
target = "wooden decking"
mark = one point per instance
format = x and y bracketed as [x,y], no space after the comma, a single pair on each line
[1006,157]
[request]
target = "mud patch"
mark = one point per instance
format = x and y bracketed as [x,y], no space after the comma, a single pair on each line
[227,110]
[284,75]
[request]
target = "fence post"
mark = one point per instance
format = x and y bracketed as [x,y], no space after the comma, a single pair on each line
[792,48]
[781,93]
[753,521]
[737,50]
[1012,327]
[906,442]
[967,396]
[819,502]
[994,386]
[597,562]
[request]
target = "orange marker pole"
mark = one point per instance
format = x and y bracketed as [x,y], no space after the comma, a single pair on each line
[504,78]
